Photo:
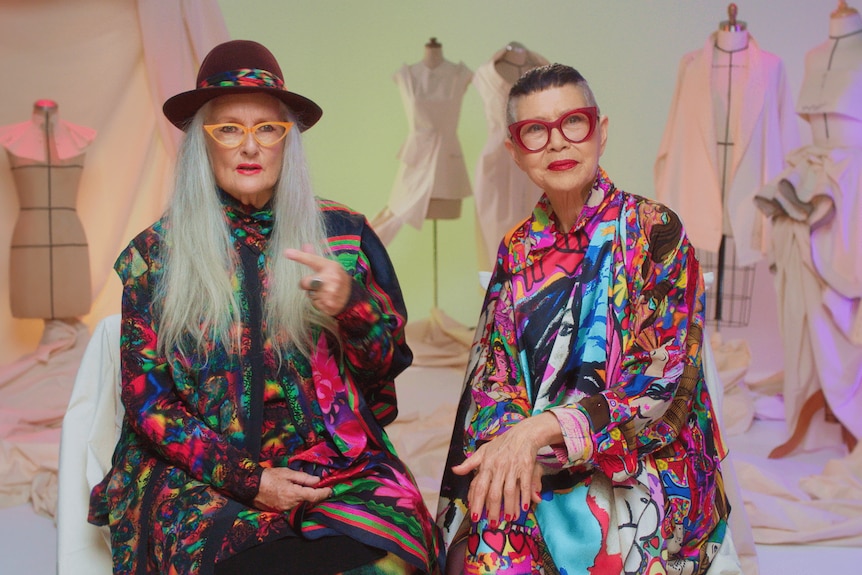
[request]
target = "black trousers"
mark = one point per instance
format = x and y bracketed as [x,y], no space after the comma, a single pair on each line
[298,556]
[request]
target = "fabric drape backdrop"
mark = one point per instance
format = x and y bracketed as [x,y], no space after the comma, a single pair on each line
[109,65]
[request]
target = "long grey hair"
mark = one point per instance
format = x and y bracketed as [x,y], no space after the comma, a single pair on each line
[196,302]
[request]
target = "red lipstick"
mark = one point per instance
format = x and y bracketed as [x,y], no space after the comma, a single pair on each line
[249,169]
[562,165]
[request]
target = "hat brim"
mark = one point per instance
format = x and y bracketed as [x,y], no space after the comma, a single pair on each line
[180,109]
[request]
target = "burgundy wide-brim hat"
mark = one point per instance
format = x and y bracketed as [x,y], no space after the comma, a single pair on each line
[239,67]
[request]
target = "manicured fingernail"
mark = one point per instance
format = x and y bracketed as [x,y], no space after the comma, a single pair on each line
[493,524]
[474,518]
[526,506]
[507,517]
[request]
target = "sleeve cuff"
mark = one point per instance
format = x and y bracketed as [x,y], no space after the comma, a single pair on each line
[577,447]
[358,312]
[244,484]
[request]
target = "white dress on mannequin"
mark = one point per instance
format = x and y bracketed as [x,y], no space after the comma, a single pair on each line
[503,193]
[432,163]
[816,209]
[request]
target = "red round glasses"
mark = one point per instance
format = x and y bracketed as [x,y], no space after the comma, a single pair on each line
[575,125]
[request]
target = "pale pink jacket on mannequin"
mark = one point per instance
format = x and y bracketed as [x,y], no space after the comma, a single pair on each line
[687,175]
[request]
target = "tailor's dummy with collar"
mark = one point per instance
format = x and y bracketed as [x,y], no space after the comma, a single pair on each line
[49,270]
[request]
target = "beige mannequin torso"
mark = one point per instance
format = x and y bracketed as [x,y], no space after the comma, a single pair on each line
[439,208]
[831,94]
[729,76]
[49,268]
[514,62]
[433,54]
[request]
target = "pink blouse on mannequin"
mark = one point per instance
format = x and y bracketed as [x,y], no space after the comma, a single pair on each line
[49,262]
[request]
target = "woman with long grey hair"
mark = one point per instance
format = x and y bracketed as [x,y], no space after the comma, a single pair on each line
[262,330]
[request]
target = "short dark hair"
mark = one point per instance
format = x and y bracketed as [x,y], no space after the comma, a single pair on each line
[542,78]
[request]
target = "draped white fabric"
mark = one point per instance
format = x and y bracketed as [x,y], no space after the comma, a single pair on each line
[91,427]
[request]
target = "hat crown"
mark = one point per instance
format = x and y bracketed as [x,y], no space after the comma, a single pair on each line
[239,67]
[237,55]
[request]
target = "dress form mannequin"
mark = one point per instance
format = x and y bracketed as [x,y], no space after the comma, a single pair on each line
[49,262]
[729,78]
[730,126]
[432,178]
[816,206]
[843,62]
[844,20]
[514,61]
[433,53]
[732,34]
[439,208]
[504,195]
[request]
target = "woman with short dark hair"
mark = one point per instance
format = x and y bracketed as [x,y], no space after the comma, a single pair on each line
[585,440]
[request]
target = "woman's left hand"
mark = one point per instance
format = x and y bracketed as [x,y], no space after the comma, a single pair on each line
[282,489]
[508,476]
[328,285]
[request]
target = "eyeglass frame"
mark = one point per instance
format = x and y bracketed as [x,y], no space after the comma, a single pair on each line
[210,128]
[591,112]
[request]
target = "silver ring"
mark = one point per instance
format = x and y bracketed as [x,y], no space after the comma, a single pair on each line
[315,284]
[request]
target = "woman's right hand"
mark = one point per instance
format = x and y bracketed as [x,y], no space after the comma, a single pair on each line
[282,489]
[507,476]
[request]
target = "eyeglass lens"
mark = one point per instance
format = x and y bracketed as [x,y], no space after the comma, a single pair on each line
[574,126]
[233,134]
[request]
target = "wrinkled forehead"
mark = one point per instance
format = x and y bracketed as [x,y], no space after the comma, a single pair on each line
[235,107]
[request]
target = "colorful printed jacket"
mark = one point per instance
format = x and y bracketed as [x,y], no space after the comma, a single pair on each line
[197,433]
[606,319]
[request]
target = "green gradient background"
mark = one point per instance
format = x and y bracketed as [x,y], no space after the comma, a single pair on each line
[343,54]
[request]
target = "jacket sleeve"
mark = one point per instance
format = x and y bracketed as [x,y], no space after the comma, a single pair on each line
[496,385]
[372,326]
[154,408]
[655,380]
[493,400]
[662,179]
